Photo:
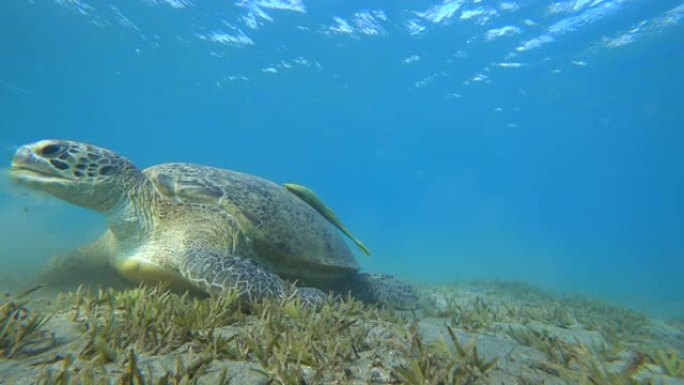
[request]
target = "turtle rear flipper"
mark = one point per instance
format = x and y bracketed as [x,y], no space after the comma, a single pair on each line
[307,195]
[381,289]
[217,273]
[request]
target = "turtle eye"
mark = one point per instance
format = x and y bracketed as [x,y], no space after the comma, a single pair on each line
[50,150]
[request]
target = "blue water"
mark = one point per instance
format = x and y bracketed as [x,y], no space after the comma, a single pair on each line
[526,140]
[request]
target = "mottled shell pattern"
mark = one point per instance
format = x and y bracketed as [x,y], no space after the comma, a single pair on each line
[287,235]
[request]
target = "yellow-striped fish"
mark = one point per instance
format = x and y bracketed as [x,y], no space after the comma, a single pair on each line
[308,196]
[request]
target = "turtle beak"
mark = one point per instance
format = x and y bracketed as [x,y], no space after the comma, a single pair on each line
[27,166]
[23,155]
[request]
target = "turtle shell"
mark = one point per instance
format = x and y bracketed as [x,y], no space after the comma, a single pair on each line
[287,234]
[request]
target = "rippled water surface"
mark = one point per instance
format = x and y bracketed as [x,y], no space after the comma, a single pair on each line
[537,141]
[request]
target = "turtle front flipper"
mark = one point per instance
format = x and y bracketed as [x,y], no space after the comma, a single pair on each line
[216,273]
[86,264]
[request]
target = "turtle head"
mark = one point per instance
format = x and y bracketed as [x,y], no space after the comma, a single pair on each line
[79,173]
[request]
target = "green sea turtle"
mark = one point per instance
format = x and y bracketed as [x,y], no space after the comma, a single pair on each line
[199,227]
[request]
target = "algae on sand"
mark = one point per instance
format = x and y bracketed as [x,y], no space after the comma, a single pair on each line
[478,335]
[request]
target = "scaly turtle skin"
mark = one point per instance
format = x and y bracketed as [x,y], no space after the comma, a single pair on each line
[204,228]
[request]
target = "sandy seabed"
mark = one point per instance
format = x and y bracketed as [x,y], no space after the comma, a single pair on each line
[470,333]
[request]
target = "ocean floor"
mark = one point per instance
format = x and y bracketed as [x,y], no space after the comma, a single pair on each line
[474,333]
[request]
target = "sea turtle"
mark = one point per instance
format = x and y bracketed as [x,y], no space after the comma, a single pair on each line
[204,228]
